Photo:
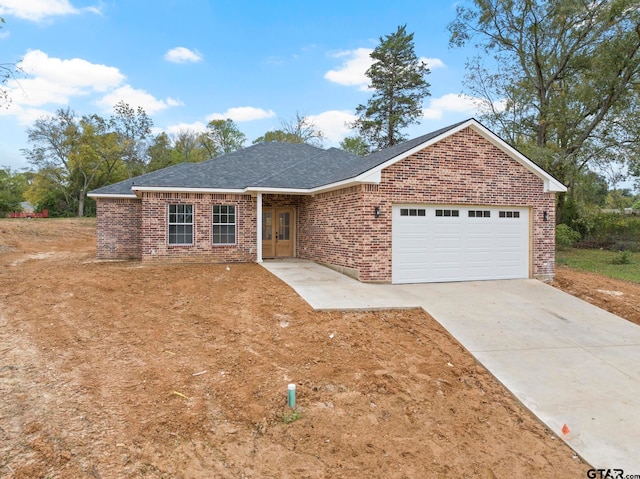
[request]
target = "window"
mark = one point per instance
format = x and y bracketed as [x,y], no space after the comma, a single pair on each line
[412,212]
[454,213]
[509,214]
[224,224]
[479,214]
[181,224]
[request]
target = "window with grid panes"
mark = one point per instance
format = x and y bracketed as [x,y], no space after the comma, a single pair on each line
[224,224]
[181,224]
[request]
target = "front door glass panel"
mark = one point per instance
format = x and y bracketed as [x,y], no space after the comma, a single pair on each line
[267,226]
[284,226]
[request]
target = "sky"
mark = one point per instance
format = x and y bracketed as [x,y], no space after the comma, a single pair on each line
[190,61]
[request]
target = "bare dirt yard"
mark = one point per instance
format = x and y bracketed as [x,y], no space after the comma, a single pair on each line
[118,370]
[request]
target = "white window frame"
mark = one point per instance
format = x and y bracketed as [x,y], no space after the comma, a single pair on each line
[227,224]
[177,223]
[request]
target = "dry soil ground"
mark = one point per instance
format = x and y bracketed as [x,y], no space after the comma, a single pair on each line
[113,370]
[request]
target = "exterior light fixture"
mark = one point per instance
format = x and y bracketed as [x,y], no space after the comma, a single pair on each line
[376,211]
[545,217]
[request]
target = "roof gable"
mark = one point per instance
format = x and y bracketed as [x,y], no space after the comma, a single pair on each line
[413,146]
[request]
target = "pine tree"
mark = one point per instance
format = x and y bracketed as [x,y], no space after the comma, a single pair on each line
[398,81]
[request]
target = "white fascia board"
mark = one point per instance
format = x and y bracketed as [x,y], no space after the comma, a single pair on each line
[342,184]
[170,189]
[277,191]
[105,195]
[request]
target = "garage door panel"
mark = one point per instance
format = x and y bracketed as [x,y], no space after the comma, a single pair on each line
[470,246]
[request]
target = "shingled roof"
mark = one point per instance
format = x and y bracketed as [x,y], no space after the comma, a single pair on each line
[269,166]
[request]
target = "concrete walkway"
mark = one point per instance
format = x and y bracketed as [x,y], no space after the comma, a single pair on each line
[567,361]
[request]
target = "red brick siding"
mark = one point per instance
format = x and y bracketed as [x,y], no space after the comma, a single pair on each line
[329,225]
[119,228]
[339,227]
[155,227]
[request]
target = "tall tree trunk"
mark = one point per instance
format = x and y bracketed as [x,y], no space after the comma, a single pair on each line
[81,203]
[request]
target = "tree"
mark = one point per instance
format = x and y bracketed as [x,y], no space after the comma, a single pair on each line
[398,81]
[133,127]
[188,147]
[278,136]
[563,82]
[98,153]
[356,145]
[160,152]
[12,187]
[222,136]
[299,130]
[77,154]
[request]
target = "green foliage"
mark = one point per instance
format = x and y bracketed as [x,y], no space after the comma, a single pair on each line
[566,237]
[609,230]
[278,136]
[188,147]
[12,187]
[132,128]
[160,152]
[291,416]
[565,74]
[601,262]
[74,155]
[623,257]
[619,199]
[356,145]
[222,136]
[398,81]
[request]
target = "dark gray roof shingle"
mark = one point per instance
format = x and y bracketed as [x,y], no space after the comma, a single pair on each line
[269,165]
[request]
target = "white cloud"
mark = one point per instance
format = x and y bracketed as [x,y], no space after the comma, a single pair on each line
[243,113]
[183,55]
[38,10]
[75,73]
[135,98]
[352,71]
[54,80]
[332,124]
[451,102]
[433,63]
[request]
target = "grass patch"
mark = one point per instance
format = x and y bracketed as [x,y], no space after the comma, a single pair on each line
[290,416]
[604,262]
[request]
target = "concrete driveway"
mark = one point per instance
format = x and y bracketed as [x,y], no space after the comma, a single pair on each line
[566,360]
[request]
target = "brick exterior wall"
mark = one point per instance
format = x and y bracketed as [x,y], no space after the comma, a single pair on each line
[119,228]
[155,227]
[330,225]
[338,228]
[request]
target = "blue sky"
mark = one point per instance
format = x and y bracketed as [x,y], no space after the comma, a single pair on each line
[187,62]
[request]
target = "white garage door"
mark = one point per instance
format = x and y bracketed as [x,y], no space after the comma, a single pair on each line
[452,243]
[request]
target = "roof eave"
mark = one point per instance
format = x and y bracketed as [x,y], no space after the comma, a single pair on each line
[174,189]
[111,195]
